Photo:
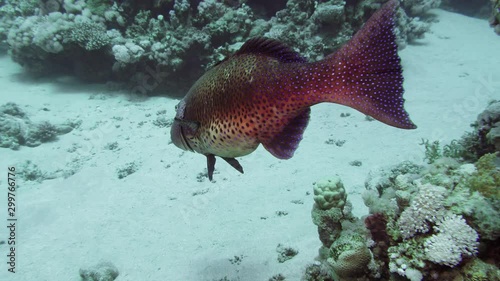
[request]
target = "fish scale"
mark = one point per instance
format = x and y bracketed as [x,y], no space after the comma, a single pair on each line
[262,94]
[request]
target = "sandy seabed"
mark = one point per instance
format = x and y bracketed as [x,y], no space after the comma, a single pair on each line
[152,227]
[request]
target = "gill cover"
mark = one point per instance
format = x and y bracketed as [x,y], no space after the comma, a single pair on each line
[182,131]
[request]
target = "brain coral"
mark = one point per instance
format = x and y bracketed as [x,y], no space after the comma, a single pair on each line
[349,256]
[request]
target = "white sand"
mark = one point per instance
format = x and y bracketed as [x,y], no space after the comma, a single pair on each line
[151,226]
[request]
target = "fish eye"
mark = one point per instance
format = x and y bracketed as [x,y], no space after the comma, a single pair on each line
[176,106]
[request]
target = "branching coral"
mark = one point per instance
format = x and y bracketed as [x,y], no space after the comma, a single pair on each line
[426,208]
[89,35]
[454,238]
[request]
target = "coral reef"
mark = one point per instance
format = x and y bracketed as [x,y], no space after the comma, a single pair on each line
[328,210]
[344,253]
[486,178]
[488,127]
[418,7]
[151,44]
[435,222]
[440,221]
[478,8]
[495,16]
[440,224]
[472,145]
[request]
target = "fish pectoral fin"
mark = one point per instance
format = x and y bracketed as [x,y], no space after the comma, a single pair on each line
[284,144]
[234,163]
[210,166]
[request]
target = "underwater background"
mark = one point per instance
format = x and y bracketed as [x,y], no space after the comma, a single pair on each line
[94,189]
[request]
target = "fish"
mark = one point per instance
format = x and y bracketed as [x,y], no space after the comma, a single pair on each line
[262,94]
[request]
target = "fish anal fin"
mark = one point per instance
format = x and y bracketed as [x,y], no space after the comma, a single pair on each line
[284,144]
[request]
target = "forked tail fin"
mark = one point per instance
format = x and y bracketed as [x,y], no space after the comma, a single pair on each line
[366,73]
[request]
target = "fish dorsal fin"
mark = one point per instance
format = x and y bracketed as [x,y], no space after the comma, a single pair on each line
[284,144]
[272,48]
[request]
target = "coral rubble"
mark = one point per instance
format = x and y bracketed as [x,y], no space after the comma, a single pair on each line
[16,129]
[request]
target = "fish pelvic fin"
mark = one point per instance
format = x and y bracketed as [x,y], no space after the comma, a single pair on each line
[366,73]
[211,165]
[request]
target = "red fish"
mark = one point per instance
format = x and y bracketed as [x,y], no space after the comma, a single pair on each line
[262,94]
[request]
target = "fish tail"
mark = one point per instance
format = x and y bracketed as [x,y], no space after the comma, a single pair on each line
[366,73]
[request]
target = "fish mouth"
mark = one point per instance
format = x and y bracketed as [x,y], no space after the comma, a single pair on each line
[184,141]
[179,136]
